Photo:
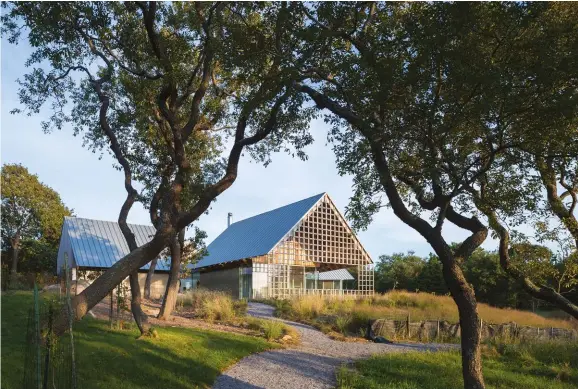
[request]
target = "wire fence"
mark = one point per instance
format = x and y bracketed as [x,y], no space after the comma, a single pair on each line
[48,359]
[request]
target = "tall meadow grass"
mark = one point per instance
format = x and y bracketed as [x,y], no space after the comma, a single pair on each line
[211,305]
[398,305]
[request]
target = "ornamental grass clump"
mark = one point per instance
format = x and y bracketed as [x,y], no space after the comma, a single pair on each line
[272,329]
[342,323]
[308,307]
[211,305]
[220,308]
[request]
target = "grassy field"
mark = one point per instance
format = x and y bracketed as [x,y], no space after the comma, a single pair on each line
[528,366]
[180,358]
[397,305]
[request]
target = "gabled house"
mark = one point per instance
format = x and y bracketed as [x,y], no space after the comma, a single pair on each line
[286,252]
[89,246]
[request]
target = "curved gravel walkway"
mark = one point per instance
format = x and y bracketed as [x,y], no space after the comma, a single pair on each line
[311,364]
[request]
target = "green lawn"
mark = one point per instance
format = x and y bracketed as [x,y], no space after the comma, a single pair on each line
[529,366]
[179,358]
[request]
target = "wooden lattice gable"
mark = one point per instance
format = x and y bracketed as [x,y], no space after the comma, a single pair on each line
[321,236]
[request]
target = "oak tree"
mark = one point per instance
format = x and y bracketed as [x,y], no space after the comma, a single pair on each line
[168,89]
[423,100]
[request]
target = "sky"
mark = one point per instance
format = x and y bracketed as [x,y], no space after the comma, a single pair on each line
[94,189]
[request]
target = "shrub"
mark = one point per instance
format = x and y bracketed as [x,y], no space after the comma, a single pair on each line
[211,305]
[240,307]
[219,308]
[342,323]
[272,329]
[282,307]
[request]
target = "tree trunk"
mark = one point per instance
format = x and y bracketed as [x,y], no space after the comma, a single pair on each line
[464,297]
[462,292]
[15,251]
[540,292]
[549,179]
[150,273]
[104,284]
[547,294]
[140,317]
[170,297]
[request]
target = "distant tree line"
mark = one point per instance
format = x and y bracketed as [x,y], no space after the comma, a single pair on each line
[411,272]
[32,217]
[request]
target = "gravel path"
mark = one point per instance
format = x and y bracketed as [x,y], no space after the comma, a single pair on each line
[311,364]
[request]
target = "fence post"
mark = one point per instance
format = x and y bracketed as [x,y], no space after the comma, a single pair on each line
[438,330]
[48,346]
[407,325]
[111,308]
[70,319]
[38,340]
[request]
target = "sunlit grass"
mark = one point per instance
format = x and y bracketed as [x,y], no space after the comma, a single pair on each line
[550,365]
[179,358]
[398,305]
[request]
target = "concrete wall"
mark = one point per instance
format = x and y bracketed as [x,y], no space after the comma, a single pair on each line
[158,283]
[222,280]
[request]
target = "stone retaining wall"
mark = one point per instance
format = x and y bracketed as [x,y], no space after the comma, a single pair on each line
[439,330]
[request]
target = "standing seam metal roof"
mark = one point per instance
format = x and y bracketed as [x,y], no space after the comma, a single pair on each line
[256,235]
[332,275]
[100,244]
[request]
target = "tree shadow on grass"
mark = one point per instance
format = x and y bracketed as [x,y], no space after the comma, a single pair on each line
[443,370]
[180,358]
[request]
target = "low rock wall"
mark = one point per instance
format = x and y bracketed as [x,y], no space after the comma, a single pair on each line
[439,330]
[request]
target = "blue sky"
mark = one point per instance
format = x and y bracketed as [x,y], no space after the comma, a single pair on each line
[94,189]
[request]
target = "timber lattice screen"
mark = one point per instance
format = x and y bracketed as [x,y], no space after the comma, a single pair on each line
[323,241]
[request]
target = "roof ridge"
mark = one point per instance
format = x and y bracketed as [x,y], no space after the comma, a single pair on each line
[278,208]
[106,221]
[258,234]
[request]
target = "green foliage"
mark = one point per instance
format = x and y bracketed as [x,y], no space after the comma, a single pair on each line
[431,278]
[398,271]
[30,209]
[483,271]
[491,284]
[179,358]
[171,92]
[272,329]
[342,323]
[438,96]
[450,111]
[529,365]
[32,217]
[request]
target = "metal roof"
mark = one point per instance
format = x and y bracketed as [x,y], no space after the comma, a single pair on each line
[332,275]
[100,244]
[256,235]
